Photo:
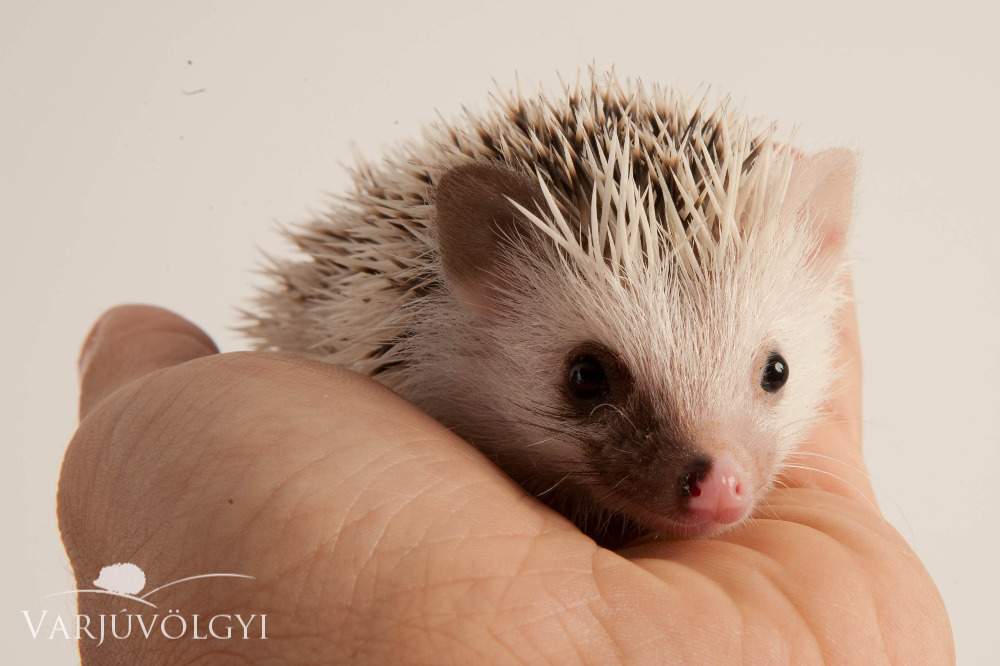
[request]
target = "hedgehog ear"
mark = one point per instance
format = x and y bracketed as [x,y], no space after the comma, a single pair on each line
[821,190]
[476,220]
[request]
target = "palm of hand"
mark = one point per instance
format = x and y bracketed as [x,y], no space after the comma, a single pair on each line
[377,536]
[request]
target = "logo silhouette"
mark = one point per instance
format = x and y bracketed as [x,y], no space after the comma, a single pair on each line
[127,580]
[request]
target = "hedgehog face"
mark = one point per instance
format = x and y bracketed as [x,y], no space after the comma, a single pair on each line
[637,387]
[677,411]
[630,404]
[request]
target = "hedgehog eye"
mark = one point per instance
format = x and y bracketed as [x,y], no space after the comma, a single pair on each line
[586,379]
[775,373]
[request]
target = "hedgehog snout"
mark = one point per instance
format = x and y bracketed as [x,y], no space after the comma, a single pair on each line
[714,490]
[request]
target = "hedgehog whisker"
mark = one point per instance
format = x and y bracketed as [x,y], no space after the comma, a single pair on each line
[846,464]
[847,483]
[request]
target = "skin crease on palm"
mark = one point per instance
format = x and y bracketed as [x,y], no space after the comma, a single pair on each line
[377,536]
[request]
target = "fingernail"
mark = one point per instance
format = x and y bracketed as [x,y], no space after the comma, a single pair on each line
[89,345]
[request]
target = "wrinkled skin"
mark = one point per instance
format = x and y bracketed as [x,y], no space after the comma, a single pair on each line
[377,536]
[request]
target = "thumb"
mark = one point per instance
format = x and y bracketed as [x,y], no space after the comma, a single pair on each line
[130,341]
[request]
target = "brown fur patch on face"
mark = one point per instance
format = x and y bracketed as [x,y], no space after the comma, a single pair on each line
[640,452]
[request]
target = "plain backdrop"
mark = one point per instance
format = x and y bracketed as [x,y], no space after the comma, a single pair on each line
[148,151]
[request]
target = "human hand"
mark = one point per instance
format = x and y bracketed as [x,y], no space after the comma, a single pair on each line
[377,536]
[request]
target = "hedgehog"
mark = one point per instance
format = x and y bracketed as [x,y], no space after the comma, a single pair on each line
[625,298]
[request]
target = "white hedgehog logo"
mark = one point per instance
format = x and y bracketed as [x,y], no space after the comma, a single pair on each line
[123,577]
[127,580]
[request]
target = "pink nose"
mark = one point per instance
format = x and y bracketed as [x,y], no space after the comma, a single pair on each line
[719,496]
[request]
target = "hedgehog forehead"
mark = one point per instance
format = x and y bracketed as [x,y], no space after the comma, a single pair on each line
[667,336]
[698,341]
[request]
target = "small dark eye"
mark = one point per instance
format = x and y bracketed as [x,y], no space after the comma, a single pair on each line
[775,373]
[587,379]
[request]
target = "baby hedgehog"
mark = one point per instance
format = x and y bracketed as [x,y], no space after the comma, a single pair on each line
[625,300]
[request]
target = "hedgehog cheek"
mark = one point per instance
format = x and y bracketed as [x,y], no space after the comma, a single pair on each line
[475,220]
[820,193]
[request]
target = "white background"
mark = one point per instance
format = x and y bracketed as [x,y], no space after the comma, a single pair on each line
[118,184]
